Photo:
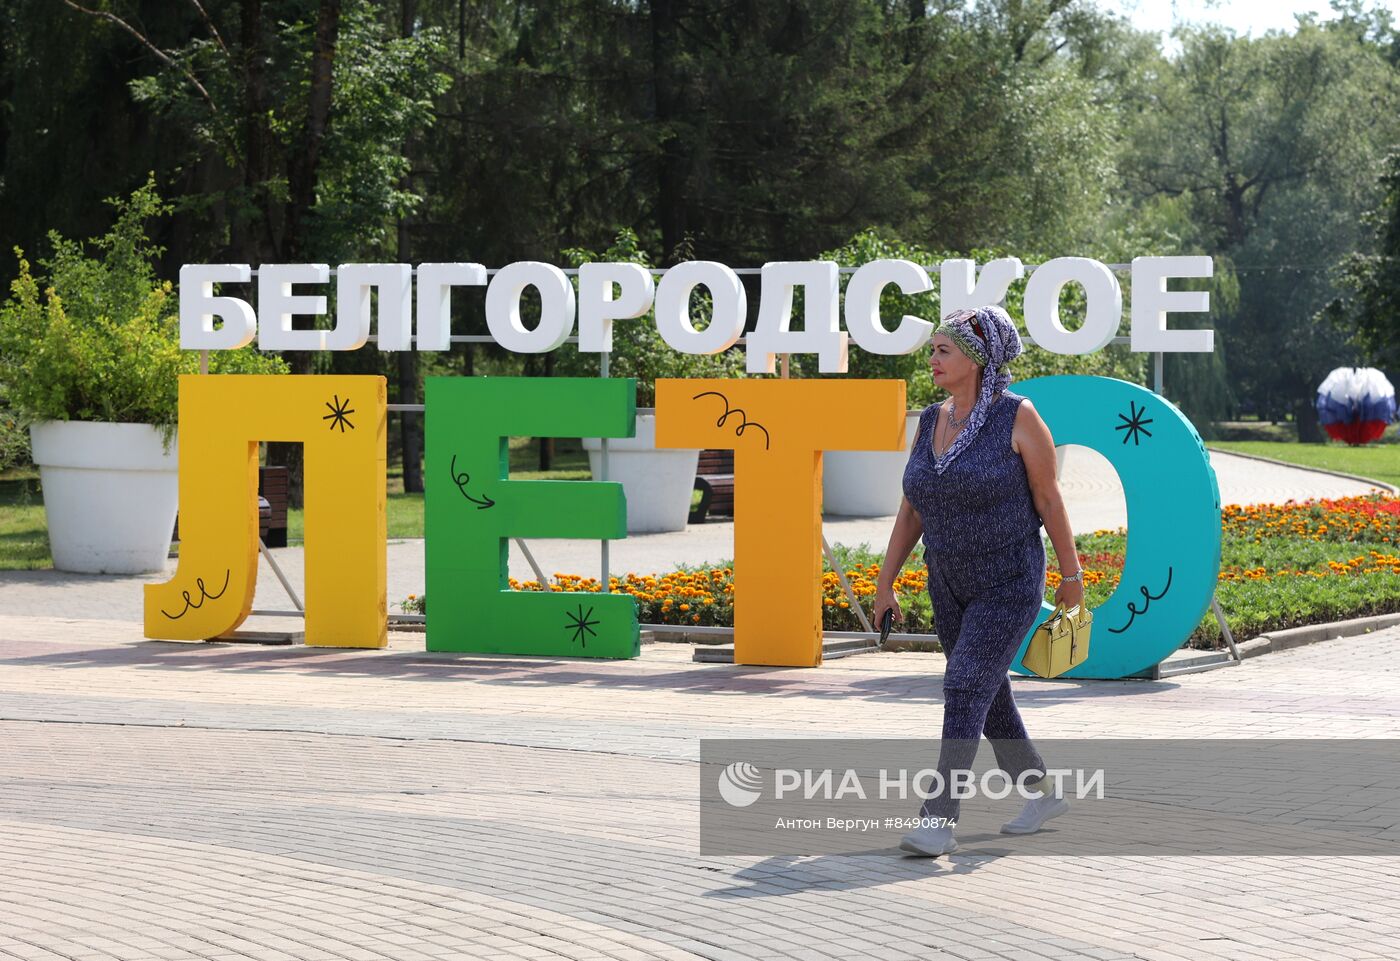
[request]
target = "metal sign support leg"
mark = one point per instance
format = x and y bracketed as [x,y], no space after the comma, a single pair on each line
[846,586]
[286,584]
[539,574]
[1225,632]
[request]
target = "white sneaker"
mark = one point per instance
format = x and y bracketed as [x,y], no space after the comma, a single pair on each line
[1037,811]
[929,842]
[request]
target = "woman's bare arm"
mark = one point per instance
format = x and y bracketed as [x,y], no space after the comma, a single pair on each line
[1037,448]
[907,530]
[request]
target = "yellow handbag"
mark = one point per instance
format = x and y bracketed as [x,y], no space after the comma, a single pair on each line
[1060,642]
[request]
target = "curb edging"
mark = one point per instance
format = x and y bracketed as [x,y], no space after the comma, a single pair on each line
[1391,488]
[1292,637]
[1284,639]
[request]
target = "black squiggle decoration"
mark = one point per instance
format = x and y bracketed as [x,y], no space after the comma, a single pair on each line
[1150,598]
[204,595]
[1134,424]
[730,412]
[461,480]
[338,412]
[581,623]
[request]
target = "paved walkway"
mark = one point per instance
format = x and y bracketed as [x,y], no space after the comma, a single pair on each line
[175,802]
[1093,498]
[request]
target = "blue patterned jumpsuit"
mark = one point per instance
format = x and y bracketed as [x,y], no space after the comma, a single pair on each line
[986,579]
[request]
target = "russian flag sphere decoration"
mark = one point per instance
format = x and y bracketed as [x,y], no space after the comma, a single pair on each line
[1355,404]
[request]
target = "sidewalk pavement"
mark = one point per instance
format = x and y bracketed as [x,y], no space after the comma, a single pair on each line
[173,801]
[1093,498]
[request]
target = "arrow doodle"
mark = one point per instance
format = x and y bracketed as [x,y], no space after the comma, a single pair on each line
[461,480]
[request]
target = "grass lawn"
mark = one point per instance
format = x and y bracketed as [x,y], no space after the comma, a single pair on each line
[404,517]
[1253,430]
[1377,461]
[24,539]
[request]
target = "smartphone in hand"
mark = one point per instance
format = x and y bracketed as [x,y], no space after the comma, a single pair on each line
[886,623]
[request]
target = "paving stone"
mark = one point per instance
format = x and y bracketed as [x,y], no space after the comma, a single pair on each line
[165,801]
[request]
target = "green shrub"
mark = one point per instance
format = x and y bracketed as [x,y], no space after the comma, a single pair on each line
[98,337]
[912,368]
[638,350]
[1113,361]
[14,440]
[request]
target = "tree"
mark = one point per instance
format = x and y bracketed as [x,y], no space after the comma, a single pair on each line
[410,425]
[746,132]
[1368,306]
[1270,147]
[307,106]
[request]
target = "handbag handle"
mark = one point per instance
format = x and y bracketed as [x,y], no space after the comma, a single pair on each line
[1074,626]
[1055,615]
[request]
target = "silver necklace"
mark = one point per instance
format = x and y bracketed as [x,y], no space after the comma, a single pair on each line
[953,424]
[953,421]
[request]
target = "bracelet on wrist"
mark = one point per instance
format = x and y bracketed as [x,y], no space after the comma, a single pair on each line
[1076,576]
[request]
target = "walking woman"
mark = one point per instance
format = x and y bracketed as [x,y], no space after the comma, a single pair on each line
[979,484]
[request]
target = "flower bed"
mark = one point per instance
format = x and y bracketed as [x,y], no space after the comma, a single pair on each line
[705,597]
[1282,565]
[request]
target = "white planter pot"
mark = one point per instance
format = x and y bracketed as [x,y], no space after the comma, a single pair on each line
[866,483]
[657,482]
[110,495]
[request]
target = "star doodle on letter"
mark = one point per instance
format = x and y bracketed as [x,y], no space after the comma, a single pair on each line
[1133,425]
[582,623]
[338,412]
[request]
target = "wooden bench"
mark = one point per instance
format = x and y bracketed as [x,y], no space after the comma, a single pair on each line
[714,479]
[272,507]
[273,484]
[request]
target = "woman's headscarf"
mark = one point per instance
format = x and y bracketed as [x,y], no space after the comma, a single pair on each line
[987,335]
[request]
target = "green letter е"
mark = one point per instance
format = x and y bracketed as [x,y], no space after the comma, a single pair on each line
[472,510]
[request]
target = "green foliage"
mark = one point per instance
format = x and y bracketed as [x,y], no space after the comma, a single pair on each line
[250,107]
[1369,302]
[638,350]
[872,244]
[1264,152]
[385,89]
[98,338]
[743,133]
[14,440]
[1114,361]
[1254,607]
[756,132]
